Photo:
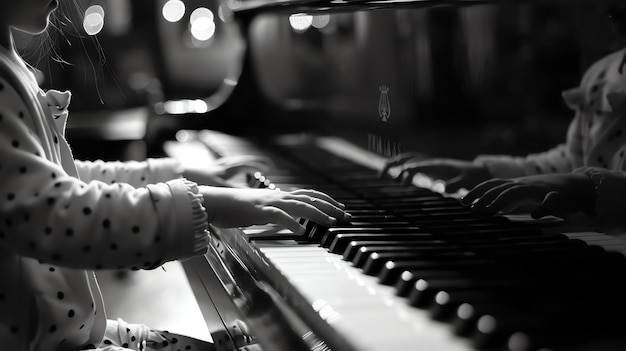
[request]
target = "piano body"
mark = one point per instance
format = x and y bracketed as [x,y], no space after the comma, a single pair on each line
[329,90]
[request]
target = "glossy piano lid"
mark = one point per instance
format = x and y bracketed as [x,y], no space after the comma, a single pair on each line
[310,6]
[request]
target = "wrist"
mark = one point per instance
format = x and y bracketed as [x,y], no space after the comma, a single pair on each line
[594,179]
[209,203]
[483,171]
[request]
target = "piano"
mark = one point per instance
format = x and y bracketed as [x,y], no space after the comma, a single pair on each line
[414,270]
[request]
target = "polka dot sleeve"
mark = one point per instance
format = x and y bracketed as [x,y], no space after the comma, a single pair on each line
[56,218]
[137,174]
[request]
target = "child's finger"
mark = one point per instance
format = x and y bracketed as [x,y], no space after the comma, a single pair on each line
[277,216]
[319,195]
[552,204]
[395,161]
[411,169]
[322,205]
[490,195]
[302,209]
[455,184]
[515,194]
[480,189]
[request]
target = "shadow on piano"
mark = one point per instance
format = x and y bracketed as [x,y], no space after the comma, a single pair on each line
[414,270]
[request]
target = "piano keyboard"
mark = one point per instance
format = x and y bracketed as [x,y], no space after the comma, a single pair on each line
[416,270]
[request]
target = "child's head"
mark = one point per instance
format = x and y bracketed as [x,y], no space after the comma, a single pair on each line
[29,16]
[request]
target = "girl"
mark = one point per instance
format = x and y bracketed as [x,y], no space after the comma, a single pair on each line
[586,174]
[61,219]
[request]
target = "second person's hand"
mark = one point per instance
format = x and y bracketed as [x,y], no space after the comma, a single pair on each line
[557,194]
[456,174]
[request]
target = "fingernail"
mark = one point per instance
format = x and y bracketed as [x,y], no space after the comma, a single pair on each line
[332,221]
[347,217]
[342,205]
[475,208]
[301,231]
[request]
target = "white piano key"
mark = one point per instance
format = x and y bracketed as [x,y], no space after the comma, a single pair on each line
[367,313]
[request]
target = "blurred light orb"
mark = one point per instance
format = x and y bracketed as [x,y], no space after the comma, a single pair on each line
[202,24]
[93,22]
[201,12]
[173,10]
[203,29]
[95,9]
[300,22]
[320,21]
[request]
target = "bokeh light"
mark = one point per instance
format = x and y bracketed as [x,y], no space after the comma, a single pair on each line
[300,22]
[93,22]
[173,10]
[202,24]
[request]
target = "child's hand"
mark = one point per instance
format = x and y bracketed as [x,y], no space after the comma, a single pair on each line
[230,166]
[554,194]
[223,169]
[227,167]
[229,207]
[456,174]
[400,160]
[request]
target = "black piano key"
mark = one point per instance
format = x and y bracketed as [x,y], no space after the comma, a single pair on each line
[337,241]
[481,224]
[444,305]
[406,280]
[403,275]
[471,306]
[527,243]
[341,241]
[354,246]
[314,231]
[414,199]
[440,216]
[544,300]
[390,223]
[374,218]
[477,234]
[445,209]
[494,331]
[424,290]
[376,262]
[365,252]
[504,239]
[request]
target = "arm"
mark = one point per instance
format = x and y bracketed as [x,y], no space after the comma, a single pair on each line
[562,159]
[565,157]
[137,174]
[50,216]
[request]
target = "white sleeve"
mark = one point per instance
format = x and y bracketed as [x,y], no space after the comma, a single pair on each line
[135,173]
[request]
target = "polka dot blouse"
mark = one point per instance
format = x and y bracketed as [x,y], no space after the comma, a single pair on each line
[61,219]
[596,138]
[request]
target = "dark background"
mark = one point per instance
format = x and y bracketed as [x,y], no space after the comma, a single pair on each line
[462,80]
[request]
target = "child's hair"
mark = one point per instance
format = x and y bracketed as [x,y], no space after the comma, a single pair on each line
[64,29]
